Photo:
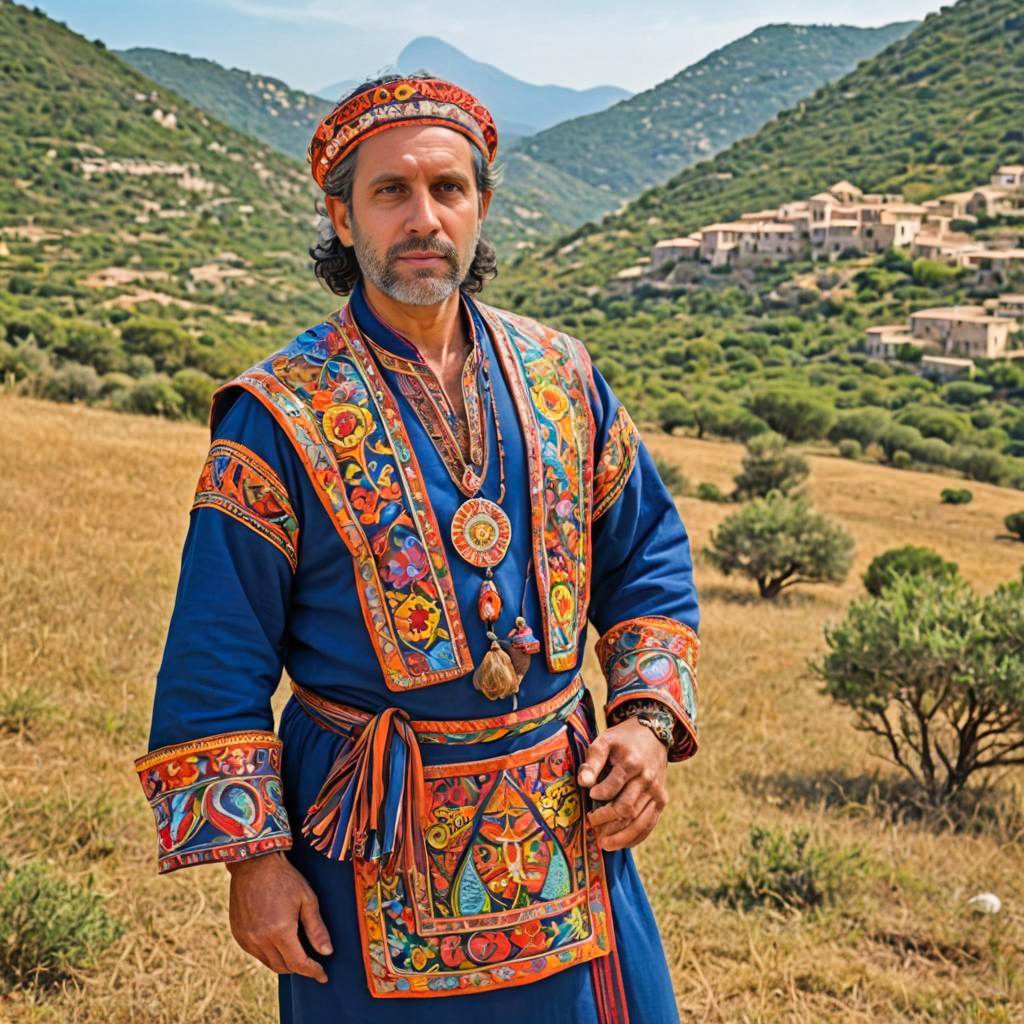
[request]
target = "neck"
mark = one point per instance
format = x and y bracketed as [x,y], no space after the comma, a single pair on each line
[436,330]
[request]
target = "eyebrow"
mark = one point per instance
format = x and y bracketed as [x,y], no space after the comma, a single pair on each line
[393,177]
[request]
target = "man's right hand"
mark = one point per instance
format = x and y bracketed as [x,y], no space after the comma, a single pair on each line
[269,899]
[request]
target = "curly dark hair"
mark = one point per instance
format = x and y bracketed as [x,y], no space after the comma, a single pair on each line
[335,265]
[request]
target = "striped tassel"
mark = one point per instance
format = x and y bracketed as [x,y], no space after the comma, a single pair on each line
[369,805]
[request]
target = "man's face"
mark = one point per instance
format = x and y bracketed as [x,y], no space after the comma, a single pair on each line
[415,216]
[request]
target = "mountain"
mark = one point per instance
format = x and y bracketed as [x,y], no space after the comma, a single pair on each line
[644,140]
[141,238]
[732,92]
[519,108]
[934,111]
[256,104]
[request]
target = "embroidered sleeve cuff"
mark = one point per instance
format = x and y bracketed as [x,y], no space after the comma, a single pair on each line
[618,456]
[216,799]
[240,484]
[654,657]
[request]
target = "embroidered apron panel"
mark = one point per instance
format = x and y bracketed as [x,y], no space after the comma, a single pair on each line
[327,394]
[514,888]
[548,373]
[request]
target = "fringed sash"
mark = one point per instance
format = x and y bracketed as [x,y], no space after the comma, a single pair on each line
[370,806]
[371,801]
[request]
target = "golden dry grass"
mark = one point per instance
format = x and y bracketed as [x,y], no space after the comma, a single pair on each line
[93,509]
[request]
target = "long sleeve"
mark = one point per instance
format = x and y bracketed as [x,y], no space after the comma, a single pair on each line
[212,776]
[643,598]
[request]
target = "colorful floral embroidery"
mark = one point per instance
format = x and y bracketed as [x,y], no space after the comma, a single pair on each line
[616,462]
[513,888]
[216,799]
[326,392]
[548,374]
[239,483]
[653,656]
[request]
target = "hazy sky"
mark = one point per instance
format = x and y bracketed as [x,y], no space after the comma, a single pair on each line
[310,43]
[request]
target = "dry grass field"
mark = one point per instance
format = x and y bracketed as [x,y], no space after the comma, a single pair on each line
[93,506]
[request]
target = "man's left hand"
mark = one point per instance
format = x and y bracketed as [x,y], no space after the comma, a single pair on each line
[634,786]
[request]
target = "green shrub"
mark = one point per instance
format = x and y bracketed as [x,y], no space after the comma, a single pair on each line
[778,542]
[707,491]
[768,466]
[196,389]
[936,673]
[902,460]
[672,413]
[153,395]
[908,560]
[797,415]
[850,449]
[48,927]
[1014,522]
[671,476]
[787,872]
[955,496]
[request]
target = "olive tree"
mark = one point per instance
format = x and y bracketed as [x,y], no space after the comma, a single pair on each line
[769,466]
[778,542]
[936,672]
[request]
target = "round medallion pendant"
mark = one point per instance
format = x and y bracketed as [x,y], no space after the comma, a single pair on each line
[481,532]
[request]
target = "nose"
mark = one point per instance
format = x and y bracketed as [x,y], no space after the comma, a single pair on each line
[421,217]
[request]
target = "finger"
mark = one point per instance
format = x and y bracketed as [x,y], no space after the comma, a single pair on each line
[632,797]
[593,764]
[610,786]
[313,923]
[635,832]
[296,961]
[613,822]
[269,957]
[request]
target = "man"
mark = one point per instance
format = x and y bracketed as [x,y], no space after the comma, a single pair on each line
[413,509]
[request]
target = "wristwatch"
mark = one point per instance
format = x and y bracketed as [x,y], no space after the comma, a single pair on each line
[654,715]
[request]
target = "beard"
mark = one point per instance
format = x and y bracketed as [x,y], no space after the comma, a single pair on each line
[427,286]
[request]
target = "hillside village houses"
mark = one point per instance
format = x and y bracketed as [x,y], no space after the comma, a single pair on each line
[844,219]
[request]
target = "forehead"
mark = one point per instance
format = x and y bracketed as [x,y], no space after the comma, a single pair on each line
[414,149]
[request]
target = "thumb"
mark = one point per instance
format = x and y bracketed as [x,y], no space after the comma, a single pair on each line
[313,924]
[597,755]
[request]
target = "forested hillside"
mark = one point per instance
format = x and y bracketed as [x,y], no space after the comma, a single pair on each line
[937,111]
[259,105]
[147,249]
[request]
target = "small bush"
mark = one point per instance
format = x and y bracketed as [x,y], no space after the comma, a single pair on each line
[850,449]
[710,492]
[902,460]
[671,476]
[768,466]
[779,542]
[955,496]
[1014,522]
[908,560]
[48,926]
[935,672]
[788,872]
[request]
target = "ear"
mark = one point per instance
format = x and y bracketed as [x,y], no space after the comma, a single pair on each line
[338,213]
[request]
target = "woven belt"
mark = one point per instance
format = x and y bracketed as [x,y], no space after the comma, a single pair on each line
[369,805]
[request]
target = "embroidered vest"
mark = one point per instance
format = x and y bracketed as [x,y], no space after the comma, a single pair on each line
[328,395]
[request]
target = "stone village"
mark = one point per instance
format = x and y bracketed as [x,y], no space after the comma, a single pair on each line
[845,221]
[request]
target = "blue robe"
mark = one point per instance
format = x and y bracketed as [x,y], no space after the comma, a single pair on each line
[272,587]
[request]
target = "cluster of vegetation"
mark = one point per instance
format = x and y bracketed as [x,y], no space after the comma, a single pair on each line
[102,298]
[933,670]
[776,539]
[788,872]
[48,927]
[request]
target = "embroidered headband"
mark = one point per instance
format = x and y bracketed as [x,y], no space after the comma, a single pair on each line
[402,102]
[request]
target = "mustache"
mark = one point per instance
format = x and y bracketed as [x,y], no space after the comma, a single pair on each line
[424,246]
